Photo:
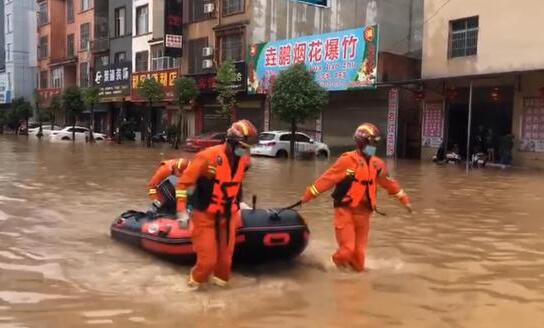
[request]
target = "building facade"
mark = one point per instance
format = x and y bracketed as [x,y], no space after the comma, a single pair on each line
[18,41]
[65,33]
[471,42]
[219,30]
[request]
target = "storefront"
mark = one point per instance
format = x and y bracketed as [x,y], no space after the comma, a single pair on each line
[450,109]
[163,113]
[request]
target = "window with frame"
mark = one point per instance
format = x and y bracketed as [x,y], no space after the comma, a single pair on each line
[196,10]
[69,11]
[85,36]
[120,18]
[57,77]
[85,5]
[8,51]
[101,61]
[159,61]
[141,61]
[195,55]
[119,57]
[43,50]
[142,20]
[70,46]
[231,47]
[464,37]
[43,80]
[231,7]
[43,15]
[9,26]
[84,75]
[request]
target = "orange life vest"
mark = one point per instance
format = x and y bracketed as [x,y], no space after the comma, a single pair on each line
[363,178]
[226,185]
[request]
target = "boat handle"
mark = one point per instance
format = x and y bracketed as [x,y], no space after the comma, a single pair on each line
[276,239]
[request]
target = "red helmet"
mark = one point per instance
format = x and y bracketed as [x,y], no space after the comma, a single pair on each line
[367,133]
[243,132]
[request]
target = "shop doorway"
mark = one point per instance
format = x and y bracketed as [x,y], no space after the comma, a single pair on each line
[491,119]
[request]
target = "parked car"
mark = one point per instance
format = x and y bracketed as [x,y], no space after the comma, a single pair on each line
[46,130]
[277,144]
[205,140]
[81,134]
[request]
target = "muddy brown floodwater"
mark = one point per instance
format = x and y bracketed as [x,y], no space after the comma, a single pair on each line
[471,256]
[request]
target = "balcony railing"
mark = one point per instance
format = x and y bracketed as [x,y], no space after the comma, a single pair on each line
[100,45]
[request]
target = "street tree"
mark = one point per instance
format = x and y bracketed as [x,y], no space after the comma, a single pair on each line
[297,97]
[91,98]
[54,109]
[72,102]
[185,90]
[152,91]
[226,92]
[37,100]
[23,110]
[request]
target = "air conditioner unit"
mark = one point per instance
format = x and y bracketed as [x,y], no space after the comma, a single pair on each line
[207,63]
[209,8]
[207,51]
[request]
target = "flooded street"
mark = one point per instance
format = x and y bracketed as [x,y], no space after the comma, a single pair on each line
[471,256]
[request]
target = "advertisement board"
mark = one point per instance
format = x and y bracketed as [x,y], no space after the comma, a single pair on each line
[113,81]
[532,125]
[392,119]
[433,124]
[207,82]
[341,60]
[322,3]
[165,77]
[173,28]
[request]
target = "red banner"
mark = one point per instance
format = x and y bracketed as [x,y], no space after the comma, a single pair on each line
[433,124]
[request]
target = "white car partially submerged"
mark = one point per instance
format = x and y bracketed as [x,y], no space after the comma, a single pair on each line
[81,134]
[277,144]
[46,130]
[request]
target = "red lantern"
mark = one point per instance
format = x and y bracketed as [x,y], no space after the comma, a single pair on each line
[451,93]
[420,95]
[496,94]
[541,92]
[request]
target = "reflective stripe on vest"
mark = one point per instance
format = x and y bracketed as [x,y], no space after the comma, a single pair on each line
[365,186]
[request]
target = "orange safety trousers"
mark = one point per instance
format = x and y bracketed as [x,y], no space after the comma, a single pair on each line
[213,252]
[352,226]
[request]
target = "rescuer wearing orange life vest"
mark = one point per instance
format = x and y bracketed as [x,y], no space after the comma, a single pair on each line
[162,184]
[212,186]
[355,176]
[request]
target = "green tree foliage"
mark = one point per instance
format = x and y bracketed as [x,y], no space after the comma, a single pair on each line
[54,109]
[91,98]
[39,114]
[297,97]
[72,103]
[185,89]
[152,91]
[226,93]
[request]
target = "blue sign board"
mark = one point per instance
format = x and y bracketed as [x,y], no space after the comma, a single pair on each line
[340,60]
[323,3]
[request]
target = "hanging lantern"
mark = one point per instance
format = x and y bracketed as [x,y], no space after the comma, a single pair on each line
[451,93]
[420,95]
[541,93]
[496,94]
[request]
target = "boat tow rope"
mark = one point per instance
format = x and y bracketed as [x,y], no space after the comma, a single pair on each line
[290,207]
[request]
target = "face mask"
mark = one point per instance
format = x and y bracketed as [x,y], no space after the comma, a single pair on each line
[239,151]
[370,150]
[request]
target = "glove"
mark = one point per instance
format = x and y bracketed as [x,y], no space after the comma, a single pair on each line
[405,200]
[183,220]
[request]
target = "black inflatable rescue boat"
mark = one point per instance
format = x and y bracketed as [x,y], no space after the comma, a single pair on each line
[263,235]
